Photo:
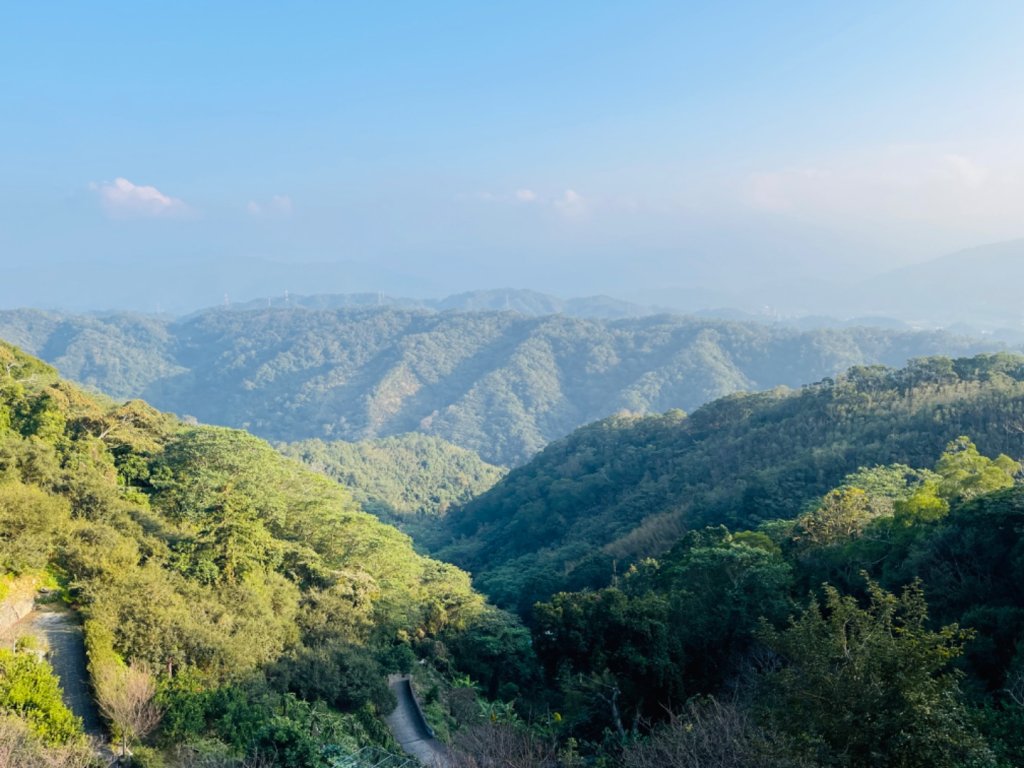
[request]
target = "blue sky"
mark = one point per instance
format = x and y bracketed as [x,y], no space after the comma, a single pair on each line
[648,149]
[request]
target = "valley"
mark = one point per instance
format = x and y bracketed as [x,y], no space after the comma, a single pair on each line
[511,385]
[501,384]
[640,560]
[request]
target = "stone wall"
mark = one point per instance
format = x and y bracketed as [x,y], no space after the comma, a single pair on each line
[18,603]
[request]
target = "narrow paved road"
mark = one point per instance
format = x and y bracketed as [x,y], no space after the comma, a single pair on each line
[410,729]
[63,633]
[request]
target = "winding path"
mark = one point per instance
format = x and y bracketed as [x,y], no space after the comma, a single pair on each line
[62,631]
[410,729]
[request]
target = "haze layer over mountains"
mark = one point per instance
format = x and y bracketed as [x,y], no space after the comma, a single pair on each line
[973,290]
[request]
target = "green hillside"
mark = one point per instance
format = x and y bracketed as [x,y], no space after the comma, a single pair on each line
[498,383]
[408,480]
[119,354]
[628,487]
[679,563]
[251,596]
[884,626]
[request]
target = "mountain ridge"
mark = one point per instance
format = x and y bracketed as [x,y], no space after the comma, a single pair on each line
[625,488]
[521,300]
[499,383]
[973,286]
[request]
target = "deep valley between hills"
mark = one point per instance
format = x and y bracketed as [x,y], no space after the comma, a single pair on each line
[501,384]
[718,543]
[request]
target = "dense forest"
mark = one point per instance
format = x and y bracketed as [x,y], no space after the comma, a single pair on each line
[499,383]
[821,577]
[407,480]
[238,608]
[627,487]
[733,478]
[882,626]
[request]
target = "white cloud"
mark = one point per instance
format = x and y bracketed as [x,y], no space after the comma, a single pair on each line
[568,203]
[966,171]
[910,183]
[121,198]
[571,203]
[278,205]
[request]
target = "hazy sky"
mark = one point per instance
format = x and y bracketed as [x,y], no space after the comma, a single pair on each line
[151,151]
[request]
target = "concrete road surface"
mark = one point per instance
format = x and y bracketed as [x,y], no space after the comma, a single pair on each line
[410,729]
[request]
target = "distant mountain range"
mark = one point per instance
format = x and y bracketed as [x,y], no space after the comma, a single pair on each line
[972,289]
[975,288]
[502,384]
[971,292]
[523,301]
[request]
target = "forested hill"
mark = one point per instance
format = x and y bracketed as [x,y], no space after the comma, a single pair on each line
[628,487]
[501,384]
[881,627]
[253,593]
[402,476]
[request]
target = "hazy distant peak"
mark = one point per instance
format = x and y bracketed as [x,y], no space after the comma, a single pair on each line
[520,300]
[975,289]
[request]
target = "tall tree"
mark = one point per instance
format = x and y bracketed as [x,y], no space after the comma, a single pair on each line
[127,696]
[873,686]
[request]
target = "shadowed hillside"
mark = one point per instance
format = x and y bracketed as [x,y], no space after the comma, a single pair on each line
[628,487]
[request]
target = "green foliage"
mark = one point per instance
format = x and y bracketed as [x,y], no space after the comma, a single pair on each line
[255,593]
[250,719]
[924,504]
[864,677]
[500,384]
[842,514]
[887,484]
[496,650]
[397,477]
[30,690]
[966,473]
[626,488]
[272,608]
[41,417]
[16,366]
[148,757]
[873,686]
[30,521]
[671,629]
[344,676]
[118,354]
